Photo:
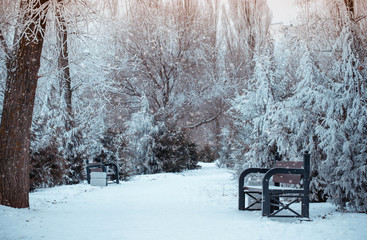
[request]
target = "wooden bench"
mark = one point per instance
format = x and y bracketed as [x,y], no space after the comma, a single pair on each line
[271,198]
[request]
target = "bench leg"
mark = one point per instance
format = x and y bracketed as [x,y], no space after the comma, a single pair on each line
[305,206]
[266,205]
[241,200]
[274,204]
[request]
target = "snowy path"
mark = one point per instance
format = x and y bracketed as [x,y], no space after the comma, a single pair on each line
[199,204]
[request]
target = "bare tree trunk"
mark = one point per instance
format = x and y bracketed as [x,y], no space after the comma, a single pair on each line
[16,121]
[63,65]
[69,144]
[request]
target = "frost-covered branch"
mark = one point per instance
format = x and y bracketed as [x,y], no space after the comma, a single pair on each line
[202,122]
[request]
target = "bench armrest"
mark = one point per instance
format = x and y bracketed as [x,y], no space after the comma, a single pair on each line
[241,182]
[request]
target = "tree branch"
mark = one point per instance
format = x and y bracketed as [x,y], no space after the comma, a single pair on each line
[205,121]
[4,44]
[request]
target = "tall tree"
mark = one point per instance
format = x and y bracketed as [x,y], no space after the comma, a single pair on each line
[252,112]
[327,99]
[71,136]
[16,120]
[63,65]
[343,131]
[7,24]
[250,69]
[247,33]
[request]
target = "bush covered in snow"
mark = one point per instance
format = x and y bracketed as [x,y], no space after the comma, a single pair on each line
[174,152]
[207,154]
[47,168]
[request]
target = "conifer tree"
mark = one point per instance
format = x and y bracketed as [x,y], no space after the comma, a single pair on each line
[342,132]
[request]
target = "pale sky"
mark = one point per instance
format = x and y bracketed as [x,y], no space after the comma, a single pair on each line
[283,10]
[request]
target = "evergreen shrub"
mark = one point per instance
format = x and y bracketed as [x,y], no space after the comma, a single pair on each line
[175,152]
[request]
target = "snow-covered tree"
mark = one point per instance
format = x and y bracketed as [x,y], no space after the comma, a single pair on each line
[298,110]
[59,121]
[327,103]
[252,112]
[246,34]
[174,152]
[152,147]
[140,133]
[343,130]
[74,97]
[168,52]
[249,64]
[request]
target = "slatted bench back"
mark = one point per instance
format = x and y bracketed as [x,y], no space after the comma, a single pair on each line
[288,178]
[96,170]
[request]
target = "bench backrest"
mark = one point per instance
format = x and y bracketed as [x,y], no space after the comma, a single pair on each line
[288,178]
[96,170]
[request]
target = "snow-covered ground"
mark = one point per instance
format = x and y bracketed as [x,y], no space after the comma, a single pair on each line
[199,204]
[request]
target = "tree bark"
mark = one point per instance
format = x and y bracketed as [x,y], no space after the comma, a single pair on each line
[64,69]
[16,120]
